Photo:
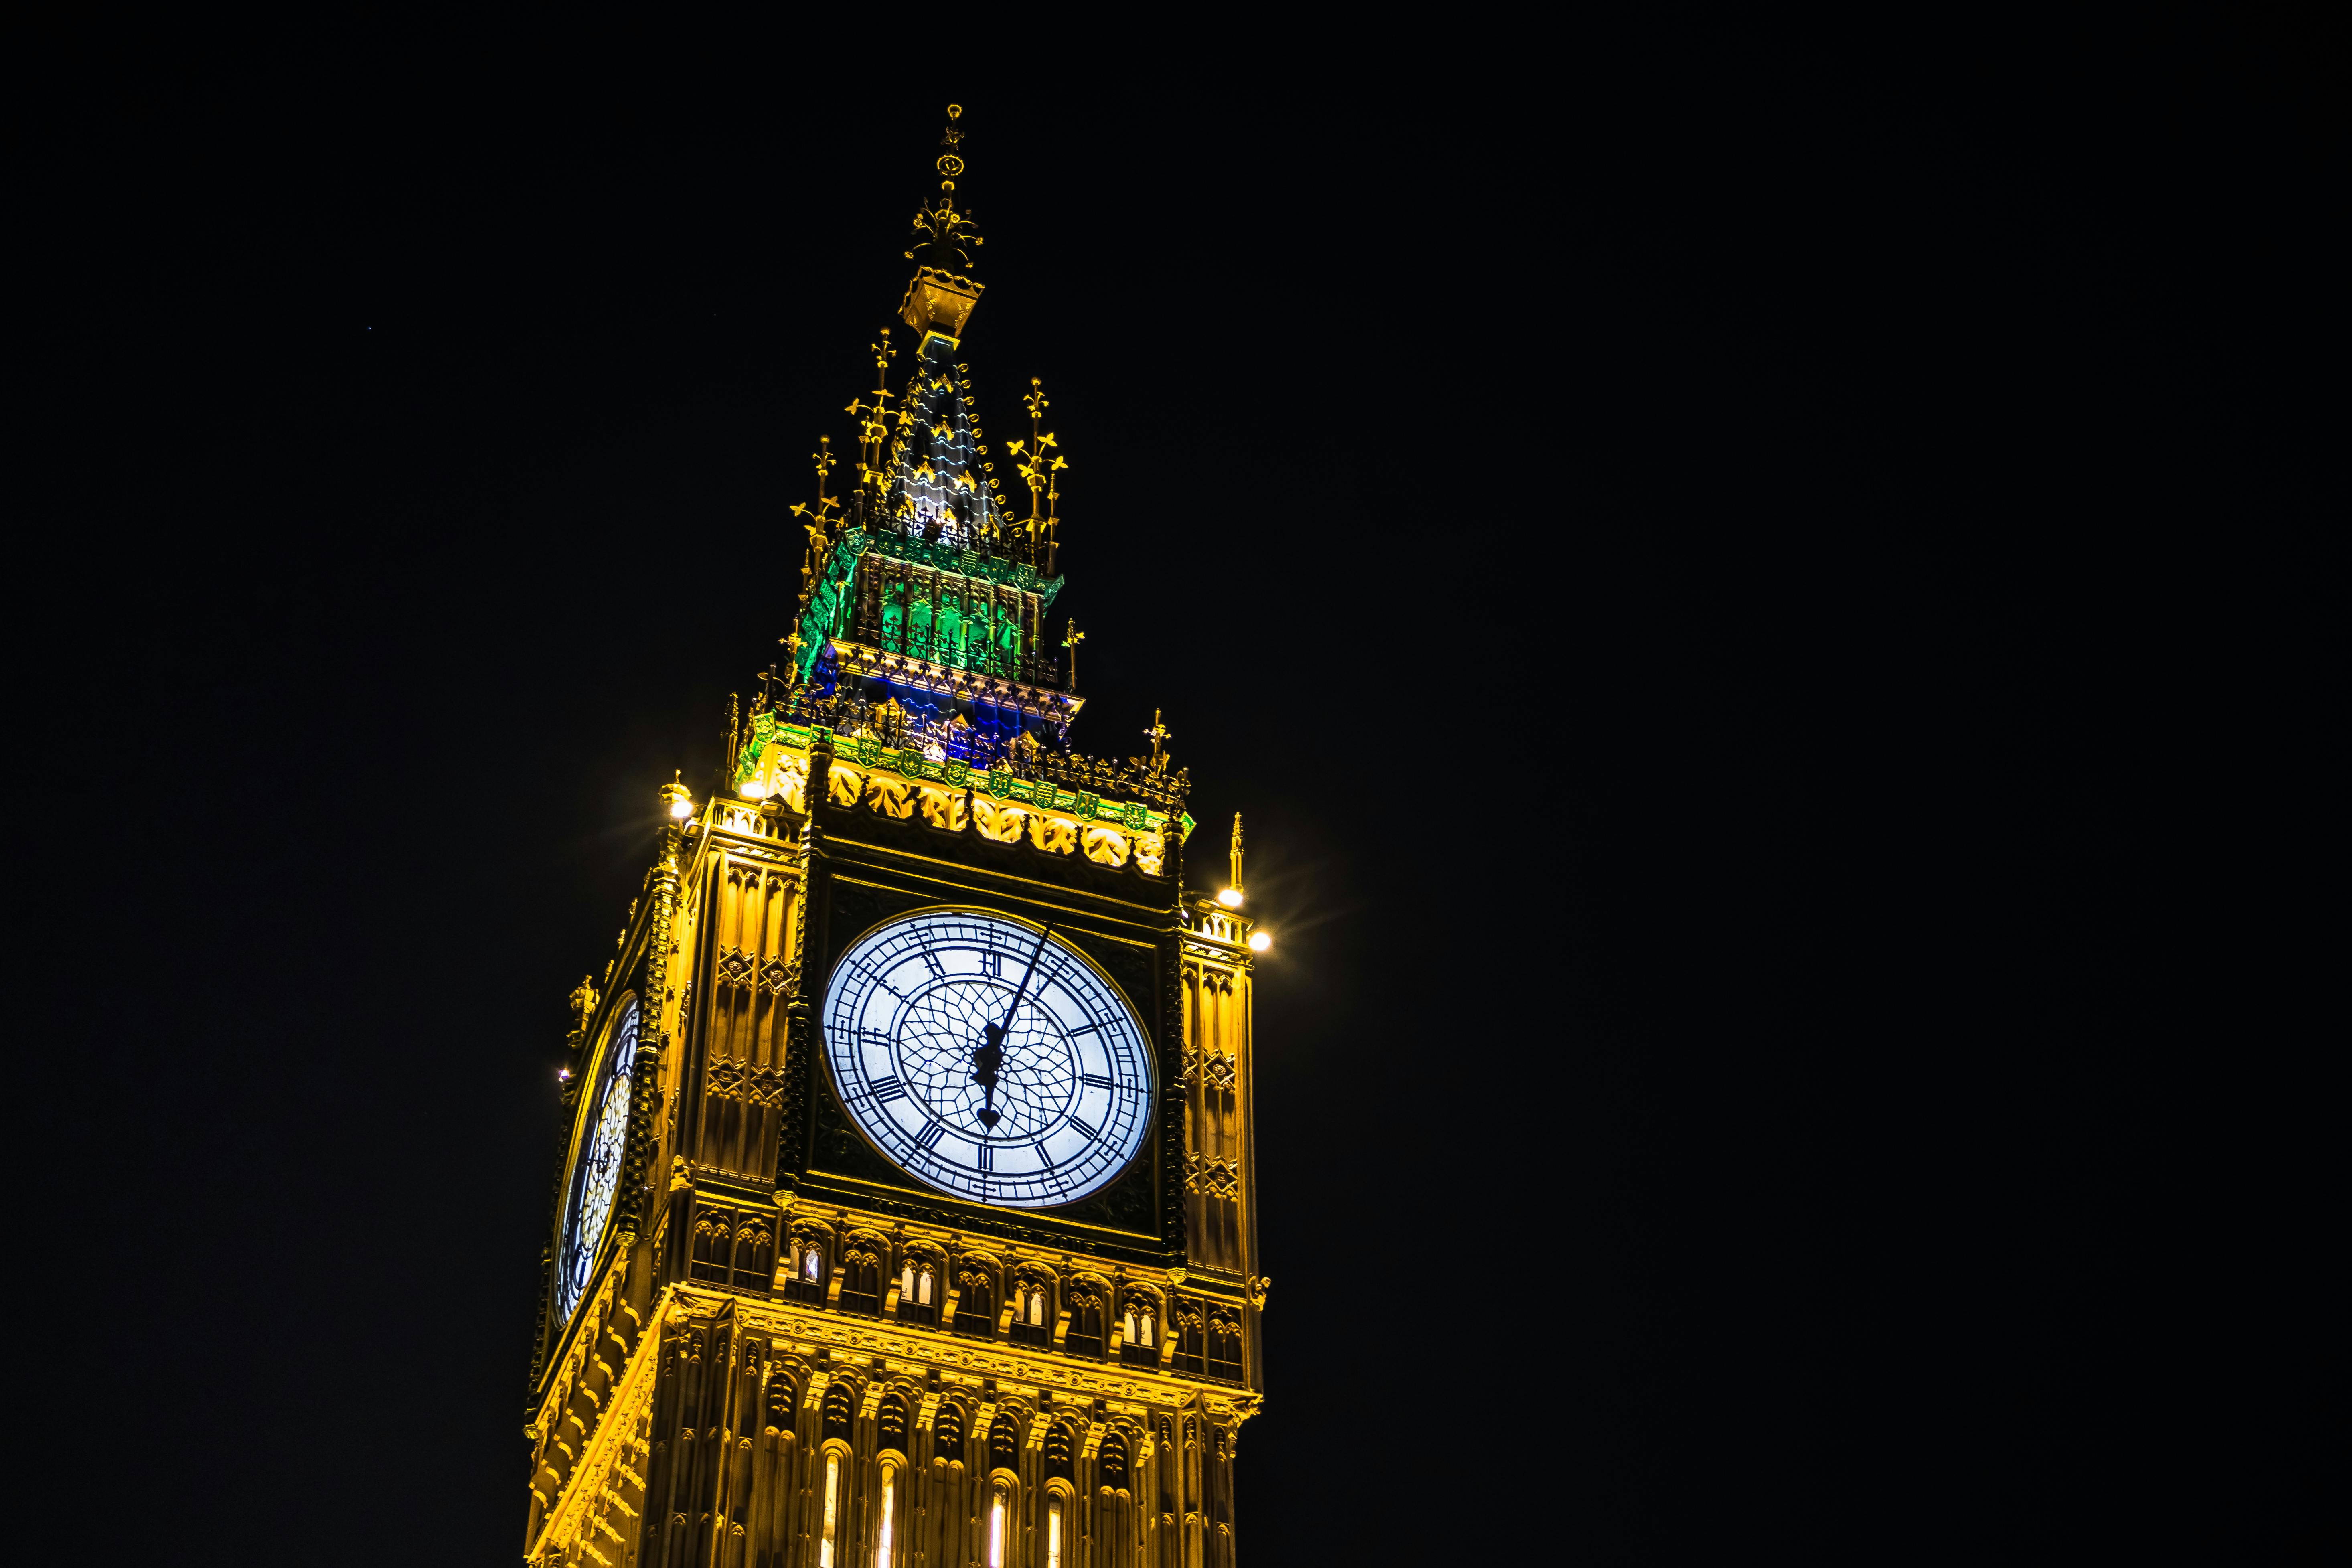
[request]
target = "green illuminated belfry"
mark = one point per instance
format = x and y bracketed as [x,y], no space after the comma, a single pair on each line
[924,599]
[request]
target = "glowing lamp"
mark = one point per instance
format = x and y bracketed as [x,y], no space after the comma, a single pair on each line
[1260,941]
[564,1074]
[753,788]
[681,809]
[676,801]
[1231,897]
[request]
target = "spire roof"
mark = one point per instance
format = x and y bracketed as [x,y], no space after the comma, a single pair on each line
[940,485]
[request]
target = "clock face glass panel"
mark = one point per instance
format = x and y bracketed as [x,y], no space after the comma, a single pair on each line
[905,1012]
[597,1170]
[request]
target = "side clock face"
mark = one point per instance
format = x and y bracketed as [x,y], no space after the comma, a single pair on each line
[987,1059]
[596,1165]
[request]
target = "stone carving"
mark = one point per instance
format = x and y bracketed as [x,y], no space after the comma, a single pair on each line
[890,794]
[1055,834]
[791,780]
[997,820]
[1149,855]
[1105,846]
[943,807]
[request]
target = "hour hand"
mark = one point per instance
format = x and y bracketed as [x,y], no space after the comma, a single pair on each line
[985,1063]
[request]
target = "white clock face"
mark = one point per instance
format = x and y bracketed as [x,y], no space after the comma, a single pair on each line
[906,1024]
[596,1169]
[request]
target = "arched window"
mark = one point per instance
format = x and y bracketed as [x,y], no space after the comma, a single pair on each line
[861,1278]
[1139,1338]
[1004,1442]
[712,1229]
[1057,1527]
[947,1431]
[805,1270]
[755,1250]
[890,1422]
[998,1508]
[1033,1312]
[783,1400]
[1085,1335]
[918,1291]
[1225,1346]
[1061,1446]
[1191,1351]
[835,1508]
[840,1410]
[975,1297]
[886,1524]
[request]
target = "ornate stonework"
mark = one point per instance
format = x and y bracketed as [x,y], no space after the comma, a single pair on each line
[790,1351]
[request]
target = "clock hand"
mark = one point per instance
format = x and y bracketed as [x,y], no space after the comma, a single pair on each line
[989,1057]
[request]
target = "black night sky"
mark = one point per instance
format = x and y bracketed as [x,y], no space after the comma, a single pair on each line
[1674,558]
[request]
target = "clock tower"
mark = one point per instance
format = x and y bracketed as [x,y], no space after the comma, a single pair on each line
[903,1210]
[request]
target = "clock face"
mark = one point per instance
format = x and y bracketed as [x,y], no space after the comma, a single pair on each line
[596,1168]
[906,1019]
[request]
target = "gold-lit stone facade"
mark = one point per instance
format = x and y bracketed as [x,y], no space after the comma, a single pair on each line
[777,1349]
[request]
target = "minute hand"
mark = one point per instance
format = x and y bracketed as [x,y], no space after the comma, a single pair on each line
[990,1054]
[1026,975]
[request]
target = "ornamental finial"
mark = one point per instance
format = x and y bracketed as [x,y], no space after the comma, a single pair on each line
[872,429]
[1237,853]
[1037,467]
[940,298]
[945,237]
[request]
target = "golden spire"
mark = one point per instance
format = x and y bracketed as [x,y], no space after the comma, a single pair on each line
[1234,889]
[1157,733]
[1071,638]
[941,296]
[815,513]
[1038,469]
[815,516]
[872,430]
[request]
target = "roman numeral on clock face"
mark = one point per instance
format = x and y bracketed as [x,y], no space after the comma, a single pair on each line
[1081,1123]
[1098,1081]
[887,1089]
[929,1137]
[987,1158]
[1044,1158]
[932,963]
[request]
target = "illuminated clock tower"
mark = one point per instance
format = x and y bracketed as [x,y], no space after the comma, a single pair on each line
[904,1212]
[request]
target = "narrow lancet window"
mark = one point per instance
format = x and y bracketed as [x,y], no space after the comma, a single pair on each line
[831,1506]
